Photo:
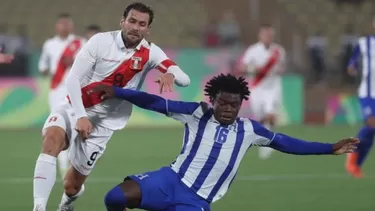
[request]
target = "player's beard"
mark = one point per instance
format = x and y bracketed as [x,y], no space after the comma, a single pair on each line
[132,39]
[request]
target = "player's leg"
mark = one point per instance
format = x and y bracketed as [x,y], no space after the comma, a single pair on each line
[365,135]
[63,161]
[54,141]
[83,156]
[55,99]
[267,116]
[148,191]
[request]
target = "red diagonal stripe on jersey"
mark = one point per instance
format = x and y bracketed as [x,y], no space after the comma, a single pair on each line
[164,65]
[69,52]
[120,76]
[267,67]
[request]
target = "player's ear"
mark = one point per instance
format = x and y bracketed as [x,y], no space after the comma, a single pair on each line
[122,21]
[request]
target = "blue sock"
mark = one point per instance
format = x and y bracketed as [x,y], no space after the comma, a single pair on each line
[366,136]
[115,199]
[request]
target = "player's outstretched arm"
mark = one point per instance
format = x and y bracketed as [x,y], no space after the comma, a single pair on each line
[147,101]
[296,146]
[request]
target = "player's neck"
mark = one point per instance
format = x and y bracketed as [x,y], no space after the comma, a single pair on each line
[127,45]
[63,37]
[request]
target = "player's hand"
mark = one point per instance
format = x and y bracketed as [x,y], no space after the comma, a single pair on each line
[84,127]
[6,58]
[165,82]
[352,71]
[105,91]
[348,145]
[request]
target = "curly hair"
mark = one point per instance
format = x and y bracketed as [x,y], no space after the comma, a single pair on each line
[227,83]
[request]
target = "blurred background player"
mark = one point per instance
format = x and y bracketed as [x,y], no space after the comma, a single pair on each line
[364,49]
[55,61]
[91,30]
[264,62]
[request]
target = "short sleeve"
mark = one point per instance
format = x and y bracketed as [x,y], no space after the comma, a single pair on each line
[262,136]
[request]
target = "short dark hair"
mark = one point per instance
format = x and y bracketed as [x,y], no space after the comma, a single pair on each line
[64,15]
[141,8]
[265,26]
[93,27]
[227,83]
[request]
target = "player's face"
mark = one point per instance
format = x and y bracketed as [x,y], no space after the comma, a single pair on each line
[64,26]
[135,27]
[226,107]
[266,35]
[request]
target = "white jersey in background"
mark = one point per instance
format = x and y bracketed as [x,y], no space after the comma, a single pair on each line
[264,66]
[54,52]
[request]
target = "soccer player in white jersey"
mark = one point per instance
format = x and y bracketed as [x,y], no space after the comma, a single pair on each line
[55,61]
[86,122]
[214,144]
[264,62]
[365,49]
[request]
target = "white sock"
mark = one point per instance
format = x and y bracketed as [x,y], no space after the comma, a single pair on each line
[44,180]
[63,160]
[265,152]
[66,200]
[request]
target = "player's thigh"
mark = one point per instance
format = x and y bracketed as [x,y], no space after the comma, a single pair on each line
[157,189]
[84,154]
[271,104]
[57,131]
[256,106]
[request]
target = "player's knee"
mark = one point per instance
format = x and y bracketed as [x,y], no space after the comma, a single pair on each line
[371,122]
[115,199]
[71,187]
[54,141]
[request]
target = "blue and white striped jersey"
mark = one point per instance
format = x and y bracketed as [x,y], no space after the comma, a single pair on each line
[365,49]
[211,152]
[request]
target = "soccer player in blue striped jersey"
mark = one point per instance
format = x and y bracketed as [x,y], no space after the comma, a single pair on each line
[364,51]
[214,144]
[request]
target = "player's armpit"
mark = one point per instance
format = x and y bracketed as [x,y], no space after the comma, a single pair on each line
[295,146]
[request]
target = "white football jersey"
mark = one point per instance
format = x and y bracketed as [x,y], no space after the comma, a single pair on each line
[114,64]
[270,61]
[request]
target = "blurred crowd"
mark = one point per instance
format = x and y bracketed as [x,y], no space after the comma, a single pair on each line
[225,31]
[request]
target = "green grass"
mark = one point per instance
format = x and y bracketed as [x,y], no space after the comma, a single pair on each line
[282,183]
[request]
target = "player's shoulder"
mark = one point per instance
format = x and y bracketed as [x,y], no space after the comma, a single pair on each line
[203,109]
[253,48]
[50,41]
[152,46]
[251,125]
